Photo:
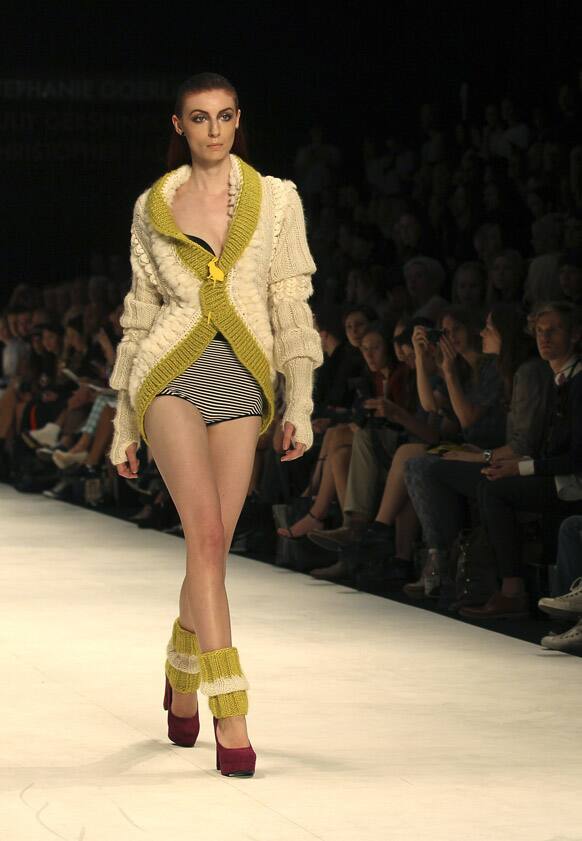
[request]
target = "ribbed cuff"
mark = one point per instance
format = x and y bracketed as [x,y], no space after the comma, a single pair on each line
[182,662]
[125,430]
[223,682]
[298,398]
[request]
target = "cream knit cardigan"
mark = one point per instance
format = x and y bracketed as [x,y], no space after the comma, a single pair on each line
[174,306]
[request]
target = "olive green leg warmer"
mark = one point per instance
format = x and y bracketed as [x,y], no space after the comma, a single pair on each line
[182,663]
[224,682]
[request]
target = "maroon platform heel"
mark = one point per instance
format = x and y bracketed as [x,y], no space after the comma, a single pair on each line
[181,731]
[234,762]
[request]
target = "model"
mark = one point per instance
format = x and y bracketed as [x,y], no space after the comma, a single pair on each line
[221,276]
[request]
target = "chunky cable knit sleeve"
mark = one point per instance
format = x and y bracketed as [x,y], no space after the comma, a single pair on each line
[297,344]
[141,305]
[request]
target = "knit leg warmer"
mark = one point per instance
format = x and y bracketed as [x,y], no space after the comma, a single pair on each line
[182,663]
[223,682]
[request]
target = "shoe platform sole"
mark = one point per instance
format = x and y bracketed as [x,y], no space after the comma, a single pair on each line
[557,613]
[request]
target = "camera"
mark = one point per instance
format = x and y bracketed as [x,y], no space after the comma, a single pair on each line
[433,335]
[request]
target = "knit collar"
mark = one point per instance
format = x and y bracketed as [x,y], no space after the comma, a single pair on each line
[244,204]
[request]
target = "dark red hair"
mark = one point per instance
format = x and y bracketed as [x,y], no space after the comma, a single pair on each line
[178,149]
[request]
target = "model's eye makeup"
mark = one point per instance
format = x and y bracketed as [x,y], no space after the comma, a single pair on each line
[198,118]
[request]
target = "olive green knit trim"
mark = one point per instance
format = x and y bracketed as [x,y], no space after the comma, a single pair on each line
[220,670]
[241,229]
[218,311]
[184,641]
[182,681]
[233,703]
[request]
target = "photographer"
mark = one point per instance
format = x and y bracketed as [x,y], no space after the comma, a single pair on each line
[383,376]
[380,455]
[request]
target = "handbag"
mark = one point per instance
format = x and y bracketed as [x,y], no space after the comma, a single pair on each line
[569,487]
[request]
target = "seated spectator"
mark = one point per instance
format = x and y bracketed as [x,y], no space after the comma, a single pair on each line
[470,285]
[506,277]
[438,485]
[356,319]
[488,243]
[424,279]
[567,601]
[379,454]
[542,282]
[570,275]
[382,370]
[333,393]
[531,484]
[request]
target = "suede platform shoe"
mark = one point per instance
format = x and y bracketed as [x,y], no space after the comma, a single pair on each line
[234,762]
[181,731]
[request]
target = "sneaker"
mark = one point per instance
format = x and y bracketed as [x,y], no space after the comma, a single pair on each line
[48,435]
[569,642]
[568,606]
[62,459]
[58,491]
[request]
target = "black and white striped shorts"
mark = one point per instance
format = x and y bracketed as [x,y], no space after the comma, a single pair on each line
[218,384]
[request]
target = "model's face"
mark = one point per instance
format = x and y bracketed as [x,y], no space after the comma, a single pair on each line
[208,122]
[355,325]
[491,337]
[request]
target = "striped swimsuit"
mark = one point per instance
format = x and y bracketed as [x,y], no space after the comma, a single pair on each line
[217,383]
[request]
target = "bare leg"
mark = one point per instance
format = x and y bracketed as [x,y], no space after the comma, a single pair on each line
[102,436]
[206,471]
[82,444]
[335,438]
[395,493]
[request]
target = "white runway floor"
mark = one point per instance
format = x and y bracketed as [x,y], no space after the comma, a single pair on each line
[370,719]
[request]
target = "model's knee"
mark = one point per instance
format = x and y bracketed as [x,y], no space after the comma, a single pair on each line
[207,540]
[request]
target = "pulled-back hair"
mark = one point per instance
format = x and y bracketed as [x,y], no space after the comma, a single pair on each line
[516,345]
[178,149]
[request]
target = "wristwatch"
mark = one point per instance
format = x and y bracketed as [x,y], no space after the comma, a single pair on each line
[487,456]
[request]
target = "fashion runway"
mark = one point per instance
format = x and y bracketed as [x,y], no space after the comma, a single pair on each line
[370,719]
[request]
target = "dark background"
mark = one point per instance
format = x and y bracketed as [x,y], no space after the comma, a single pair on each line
[80,139]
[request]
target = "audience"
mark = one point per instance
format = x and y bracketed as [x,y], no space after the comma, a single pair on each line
[475,227]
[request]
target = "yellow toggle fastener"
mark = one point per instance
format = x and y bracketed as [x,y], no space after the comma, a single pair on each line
[214,272]
[209,314]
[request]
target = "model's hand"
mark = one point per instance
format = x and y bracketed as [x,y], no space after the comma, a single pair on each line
[297,452]
[128,469]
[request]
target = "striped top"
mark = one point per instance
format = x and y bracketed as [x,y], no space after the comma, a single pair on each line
[217,383]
